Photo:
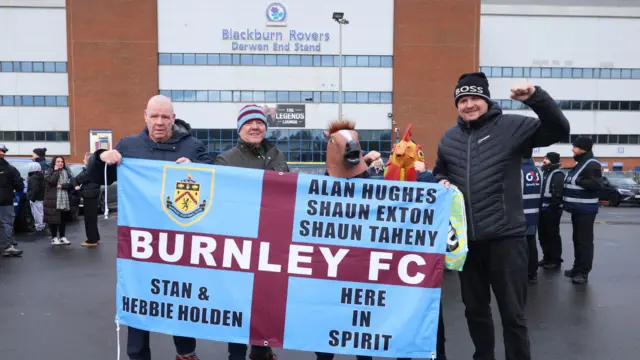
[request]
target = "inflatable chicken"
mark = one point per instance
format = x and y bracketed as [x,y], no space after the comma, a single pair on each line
[400,167]
[404,155]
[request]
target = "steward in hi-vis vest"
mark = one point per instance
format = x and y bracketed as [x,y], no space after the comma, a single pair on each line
[581,199]
[531,193]
[551,212]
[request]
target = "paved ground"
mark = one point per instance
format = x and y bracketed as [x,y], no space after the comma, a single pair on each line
[59,303]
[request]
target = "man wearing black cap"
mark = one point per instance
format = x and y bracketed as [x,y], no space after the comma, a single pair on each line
[551,212]
[581,199]
[481,154]
[10,181]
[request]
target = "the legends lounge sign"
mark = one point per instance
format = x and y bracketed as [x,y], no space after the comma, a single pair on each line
[284,116]
[256,40]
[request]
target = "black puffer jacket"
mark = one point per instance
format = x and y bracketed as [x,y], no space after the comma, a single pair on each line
[10,181]
[483,158]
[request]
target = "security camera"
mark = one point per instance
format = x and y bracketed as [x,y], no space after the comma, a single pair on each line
[389,115]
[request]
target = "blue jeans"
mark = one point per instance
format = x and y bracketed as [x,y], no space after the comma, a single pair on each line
[138,344]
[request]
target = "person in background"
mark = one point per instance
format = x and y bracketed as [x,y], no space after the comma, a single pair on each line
[90,192]
[10,182]
[582,201]
[35,194]
[551,212]
[255,152]
[481,154]
[531,194]
[376,168]
[58,207]
[163,138]
[38,156]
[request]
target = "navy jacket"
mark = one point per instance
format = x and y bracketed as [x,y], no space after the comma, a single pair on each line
[140,146]
[426,176]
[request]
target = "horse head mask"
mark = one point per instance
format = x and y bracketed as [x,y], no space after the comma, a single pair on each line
[344,155]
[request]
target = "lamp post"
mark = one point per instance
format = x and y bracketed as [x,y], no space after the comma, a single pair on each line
[339,18]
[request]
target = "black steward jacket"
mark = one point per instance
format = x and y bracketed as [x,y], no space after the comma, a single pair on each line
[591,176]
[483,159]
[556,187]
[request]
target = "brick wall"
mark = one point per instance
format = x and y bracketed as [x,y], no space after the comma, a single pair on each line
[434,43]
[112,63]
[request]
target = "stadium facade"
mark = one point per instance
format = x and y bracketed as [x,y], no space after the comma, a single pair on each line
[75,75]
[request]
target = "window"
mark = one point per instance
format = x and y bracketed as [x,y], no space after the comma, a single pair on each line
[299,145]
[584,105]
[259,60]
[269,96]
[560,73]
[29,100]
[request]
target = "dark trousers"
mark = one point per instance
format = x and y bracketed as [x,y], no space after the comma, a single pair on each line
[239,351]
[501,265]
[440,348]
[58,230]
[532,246]
[138,344]
[583,242]
[549,235]
[91,220]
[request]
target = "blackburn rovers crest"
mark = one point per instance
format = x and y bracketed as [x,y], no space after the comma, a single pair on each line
[187,193]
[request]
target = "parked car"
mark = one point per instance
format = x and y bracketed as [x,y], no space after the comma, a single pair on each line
[620,189]
[112,191]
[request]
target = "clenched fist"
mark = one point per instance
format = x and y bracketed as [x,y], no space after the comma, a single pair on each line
[522,92]
[111,157]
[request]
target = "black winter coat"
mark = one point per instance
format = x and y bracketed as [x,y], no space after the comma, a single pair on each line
[51,214]
[88,188]
[556,187]
[483,159]
[35,186]
[10,181]
[591,176]
[140,146]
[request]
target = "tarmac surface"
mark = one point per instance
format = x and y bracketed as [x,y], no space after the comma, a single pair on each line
[59,303]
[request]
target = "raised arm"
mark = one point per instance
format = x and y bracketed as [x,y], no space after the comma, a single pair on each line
[550,127]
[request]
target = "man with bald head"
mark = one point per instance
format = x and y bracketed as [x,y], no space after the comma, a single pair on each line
[163,138]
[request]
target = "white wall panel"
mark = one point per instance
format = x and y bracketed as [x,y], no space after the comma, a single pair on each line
[598,122]
[572,89]
[273,78]
[34,118]
[33,84]
[599,150]
[25,148]
[33,3]
[33,34]
[224,116]
[197,25]
[507,40]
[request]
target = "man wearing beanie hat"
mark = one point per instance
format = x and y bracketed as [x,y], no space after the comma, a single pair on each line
[253,150]
[38,156]
[481,154]
[10,181]
[582,200]
[551,212]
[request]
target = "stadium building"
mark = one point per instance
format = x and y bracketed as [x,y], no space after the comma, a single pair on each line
[75,75]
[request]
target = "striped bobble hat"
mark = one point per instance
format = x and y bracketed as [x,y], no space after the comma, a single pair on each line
[251,112]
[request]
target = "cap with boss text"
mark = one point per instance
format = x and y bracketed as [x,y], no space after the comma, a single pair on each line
[472,84]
